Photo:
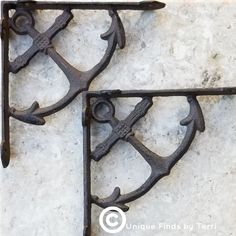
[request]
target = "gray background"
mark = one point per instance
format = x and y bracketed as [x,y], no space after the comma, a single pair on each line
[187,44]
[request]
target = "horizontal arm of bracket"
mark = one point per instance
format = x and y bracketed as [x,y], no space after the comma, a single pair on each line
[145,5]
[165,92]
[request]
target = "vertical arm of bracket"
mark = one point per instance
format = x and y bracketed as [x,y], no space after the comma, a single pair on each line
[86,166]
[5,144]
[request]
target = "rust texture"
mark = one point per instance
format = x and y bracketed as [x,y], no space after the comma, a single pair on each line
[22,23]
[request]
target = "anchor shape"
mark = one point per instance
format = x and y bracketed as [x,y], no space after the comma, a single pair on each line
[22,22]
[122,130]
[79,80]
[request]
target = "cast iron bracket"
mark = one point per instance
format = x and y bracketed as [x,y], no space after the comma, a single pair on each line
[98,107]
[22,23]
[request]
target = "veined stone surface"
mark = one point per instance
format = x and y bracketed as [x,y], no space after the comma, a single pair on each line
[187,44]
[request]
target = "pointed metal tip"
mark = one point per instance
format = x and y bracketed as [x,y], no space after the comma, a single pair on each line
[5,155]
[152,5]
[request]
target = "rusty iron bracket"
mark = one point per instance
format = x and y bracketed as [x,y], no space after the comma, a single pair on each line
[22,23]
[98,107]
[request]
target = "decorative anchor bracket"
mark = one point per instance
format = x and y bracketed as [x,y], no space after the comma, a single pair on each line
[97,106]
[22,23]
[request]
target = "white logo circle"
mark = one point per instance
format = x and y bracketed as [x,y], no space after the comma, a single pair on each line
[114,222]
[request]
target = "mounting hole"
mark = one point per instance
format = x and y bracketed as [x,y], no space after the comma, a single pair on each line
[103,111]
[21,20]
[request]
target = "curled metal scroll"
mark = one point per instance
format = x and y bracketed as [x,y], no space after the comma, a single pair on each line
[160,166]
[79,80]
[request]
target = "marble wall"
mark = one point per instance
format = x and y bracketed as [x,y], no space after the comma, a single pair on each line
[186,45]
